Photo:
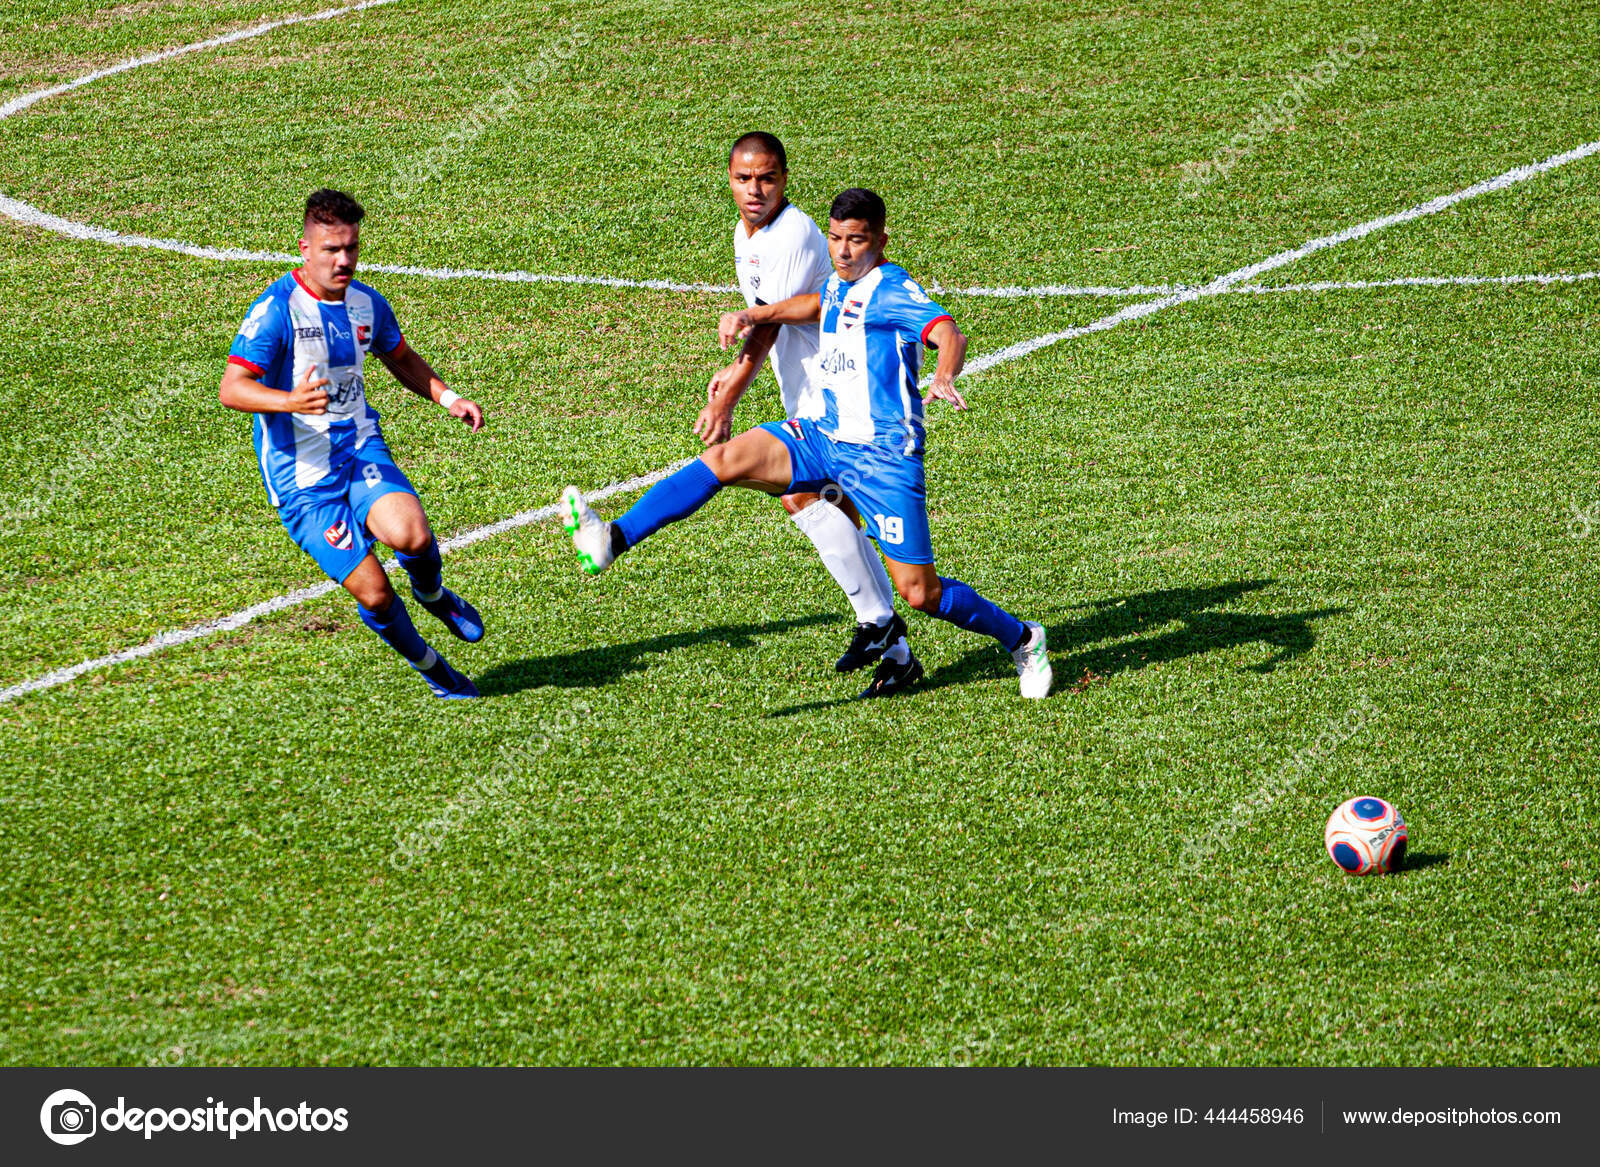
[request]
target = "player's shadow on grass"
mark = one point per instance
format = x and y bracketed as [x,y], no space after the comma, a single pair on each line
[1077,665]
[592,667]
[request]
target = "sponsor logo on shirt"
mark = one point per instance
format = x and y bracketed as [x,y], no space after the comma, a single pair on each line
[339,536]
[308,333]
[335,332]
[837,362]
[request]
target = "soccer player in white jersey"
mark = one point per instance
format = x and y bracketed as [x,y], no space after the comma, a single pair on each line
[779,252]
[875,320]
[296,364]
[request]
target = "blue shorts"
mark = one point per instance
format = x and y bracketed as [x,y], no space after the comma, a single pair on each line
[329,523]
[886,485]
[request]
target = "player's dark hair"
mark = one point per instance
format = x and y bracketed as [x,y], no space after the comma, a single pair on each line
[761,142]
[860,203]
[333,206]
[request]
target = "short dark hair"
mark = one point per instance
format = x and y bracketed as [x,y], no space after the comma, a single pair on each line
[333,206]
[860,203]
[761,142]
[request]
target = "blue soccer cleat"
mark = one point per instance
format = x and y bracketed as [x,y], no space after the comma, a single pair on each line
[444,680]
[456,614]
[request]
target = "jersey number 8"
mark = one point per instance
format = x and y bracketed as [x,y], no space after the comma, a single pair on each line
[892,528]
[372,475]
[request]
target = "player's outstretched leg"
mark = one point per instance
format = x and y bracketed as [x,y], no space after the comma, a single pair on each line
[676,497]
[397,519]
[952,600]
[853,561]
[755,459]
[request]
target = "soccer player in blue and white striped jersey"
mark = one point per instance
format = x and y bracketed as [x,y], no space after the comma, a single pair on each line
[296,364]
[778,252]
[875,320]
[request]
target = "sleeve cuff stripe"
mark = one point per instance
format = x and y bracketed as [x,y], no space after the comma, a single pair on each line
[251,365]
[929,327]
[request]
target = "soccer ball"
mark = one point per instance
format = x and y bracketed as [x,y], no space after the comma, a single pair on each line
[1366,835]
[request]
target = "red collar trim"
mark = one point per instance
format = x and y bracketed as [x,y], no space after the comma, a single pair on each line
[296,274]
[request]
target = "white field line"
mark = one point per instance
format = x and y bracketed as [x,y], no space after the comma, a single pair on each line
[1132,290]
[1239,276]
[17,104]
[1418,282]
[33,216]
[1218,286]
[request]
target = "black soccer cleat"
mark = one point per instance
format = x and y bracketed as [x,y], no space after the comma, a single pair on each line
[891,678]
[869,643]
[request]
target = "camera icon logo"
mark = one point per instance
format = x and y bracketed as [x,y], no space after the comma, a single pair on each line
[68,1117]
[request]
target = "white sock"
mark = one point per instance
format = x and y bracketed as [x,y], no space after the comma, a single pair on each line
[851,559]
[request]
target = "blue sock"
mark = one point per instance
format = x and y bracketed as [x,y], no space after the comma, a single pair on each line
[425,570]
[959,604]
[397,630]
[676,498]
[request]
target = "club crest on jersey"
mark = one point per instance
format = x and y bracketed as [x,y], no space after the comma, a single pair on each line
[363,334]
[918,296]
[850,314]
[339,536]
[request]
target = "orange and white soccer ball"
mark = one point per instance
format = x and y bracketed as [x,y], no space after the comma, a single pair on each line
[1366,836]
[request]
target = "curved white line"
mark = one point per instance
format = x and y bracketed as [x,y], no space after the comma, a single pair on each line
[33,216]
[17,104]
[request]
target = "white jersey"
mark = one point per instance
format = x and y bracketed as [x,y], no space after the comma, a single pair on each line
[787,257]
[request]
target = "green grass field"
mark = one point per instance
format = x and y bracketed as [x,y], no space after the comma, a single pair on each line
[667,835]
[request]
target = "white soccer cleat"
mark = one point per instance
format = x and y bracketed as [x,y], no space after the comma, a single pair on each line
[1033,666]
[591,534]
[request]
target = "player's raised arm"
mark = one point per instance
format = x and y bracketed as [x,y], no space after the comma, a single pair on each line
[952,345]
[802,309]
[417,375]
[242,390]
[728,385]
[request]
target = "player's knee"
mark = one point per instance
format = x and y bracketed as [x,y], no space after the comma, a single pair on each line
[414,539]
[921,594]
[375,595]
[721,463]
[795,503]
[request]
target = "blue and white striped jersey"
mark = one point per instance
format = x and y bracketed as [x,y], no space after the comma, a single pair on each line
[871,352]
[289,329]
